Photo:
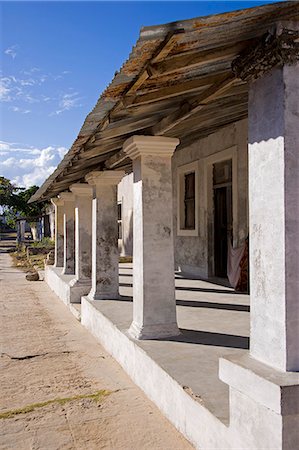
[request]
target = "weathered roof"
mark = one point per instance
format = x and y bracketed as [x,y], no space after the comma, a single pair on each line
[177,82]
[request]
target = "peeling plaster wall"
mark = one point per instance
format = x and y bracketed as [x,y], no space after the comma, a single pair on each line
[194,254]
[125,197]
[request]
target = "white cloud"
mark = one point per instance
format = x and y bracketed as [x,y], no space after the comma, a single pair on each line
[30,87]
[27,165]
[11,51]
[67,102]
[28,82]
[5,91]
[20,110]
[4,145]
[30,71]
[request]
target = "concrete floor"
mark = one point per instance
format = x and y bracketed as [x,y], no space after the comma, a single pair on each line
[214,322]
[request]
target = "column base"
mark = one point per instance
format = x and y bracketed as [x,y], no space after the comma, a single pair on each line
[67,271]
[264,403]
[102,296]
[160,331]
[78,288]
[76,282]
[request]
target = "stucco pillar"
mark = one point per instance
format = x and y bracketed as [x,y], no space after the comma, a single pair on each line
[83,220]
[264,385]
[105,255]
[154,306]
[274,217]
[69,232]
[58,233]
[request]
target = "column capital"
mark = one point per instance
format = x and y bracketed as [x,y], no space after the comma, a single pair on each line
[67,196]
[137,146]
[57,201]
[275,49]
[104,178]
[81,189]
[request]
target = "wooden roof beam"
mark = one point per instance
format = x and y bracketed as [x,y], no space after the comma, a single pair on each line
[168,44]
[162,51]
[197,58]
[186,109]
[101,149]
[172,91]
[116,159]
[126,126]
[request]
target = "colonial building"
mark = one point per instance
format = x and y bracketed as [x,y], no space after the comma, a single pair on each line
[191,150]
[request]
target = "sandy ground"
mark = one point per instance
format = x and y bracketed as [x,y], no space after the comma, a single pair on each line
[47,355]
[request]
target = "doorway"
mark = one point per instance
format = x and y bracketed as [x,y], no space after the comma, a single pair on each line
[223,220]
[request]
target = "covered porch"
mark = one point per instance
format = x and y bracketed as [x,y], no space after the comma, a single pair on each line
[213,321]
[185,341]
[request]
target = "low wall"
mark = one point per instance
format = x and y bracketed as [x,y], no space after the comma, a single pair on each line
[65,286]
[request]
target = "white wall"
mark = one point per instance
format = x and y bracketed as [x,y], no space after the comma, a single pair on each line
[125,196]
[194,254]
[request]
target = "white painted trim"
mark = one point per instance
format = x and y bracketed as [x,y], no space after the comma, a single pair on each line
[181,171]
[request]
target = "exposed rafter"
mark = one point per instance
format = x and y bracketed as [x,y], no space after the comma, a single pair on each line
[116,159]
[186,110]
[162,50]
[189,60]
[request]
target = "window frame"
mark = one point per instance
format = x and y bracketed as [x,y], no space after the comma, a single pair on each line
[181,173]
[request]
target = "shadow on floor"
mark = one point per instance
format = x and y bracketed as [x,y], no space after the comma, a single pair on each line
[213,339]
[225,306]
[208,290]
[125,298]
[195,289]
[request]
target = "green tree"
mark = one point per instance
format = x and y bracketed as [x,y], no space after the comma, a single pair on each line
[7,192]
[14,202]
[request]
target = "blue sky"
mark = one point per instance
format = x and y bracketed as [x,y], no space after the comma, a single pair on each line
[56,59]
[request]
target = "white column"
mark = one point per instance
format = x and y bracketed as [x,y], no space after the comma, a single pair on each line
[154,306]
[22,229]
[105,255]
[264,384]
[69,232]
[58,234]
[83,220]
[274,217]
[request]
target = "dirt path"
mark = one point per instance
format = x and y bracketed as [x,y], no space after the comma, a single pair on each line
[46,356]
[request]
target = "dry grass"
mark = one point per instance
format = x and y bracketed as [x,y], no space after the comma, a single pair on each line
[21,261]
[125,259]
[96,396]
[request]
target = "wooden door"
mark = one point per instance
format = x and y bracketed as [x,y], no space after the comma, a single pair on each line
[220,231]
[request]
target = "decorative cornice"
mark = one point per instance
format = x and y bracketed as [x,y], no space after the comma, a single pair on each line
[273,50]
[81,189]
[66,196]
[137,146]
[57,201]
[104,178]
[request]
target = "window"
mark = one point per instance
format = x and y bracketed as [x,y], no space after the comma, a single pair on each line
[188,200]
[119,220]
